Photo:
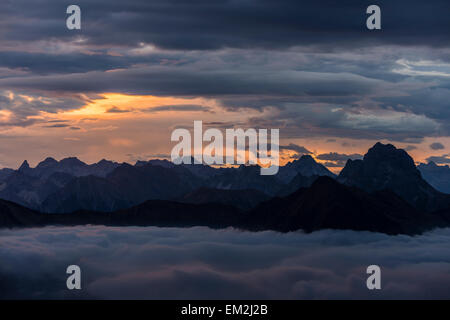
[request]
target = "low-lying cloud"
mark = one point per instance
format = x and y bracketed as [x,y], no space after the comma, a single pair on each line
[200,263]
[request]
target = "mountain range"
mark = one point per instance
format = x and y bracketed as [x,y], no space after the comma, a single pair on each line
[69,185]
[383,192]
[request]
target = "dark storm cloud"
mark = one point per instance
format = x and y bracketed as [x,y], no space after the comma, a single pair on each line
[60,125]
[24,106]
[117,110]
[330,164]
[294,147]
[338,159]
[334,156]
[431,101]
[179,107]
[314,61]
[199,263]
[189,81]
[444,159]
[309,120]
[295,91]
[43,63]
[437,146]
[212,24]
[410,148]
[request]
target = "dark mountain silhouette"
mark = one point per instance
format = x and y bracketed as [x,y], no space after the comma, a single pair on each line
[386,167]
[150,213]
[65,185]
[329,204]
[88,193]
[156,162]
[124,187]
[306,166]
[29,190]
[24,167]
[32,186]
[153,182]
[437,176]
[242,199]
[72,166]
[15,216]
[175,214]
[199,170]
[5,173]
[299,181]
[243,178]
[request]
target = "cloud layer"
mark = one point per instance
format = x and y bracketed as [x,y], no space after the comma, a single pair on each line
[309,68]
[170,263]
[205,25]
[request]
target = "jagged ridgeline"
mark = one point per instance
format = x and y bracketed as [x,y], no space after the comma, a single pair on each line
[383,192]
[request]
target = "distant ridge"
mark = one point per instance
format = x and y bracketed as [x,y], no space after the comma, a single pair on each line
[437,176]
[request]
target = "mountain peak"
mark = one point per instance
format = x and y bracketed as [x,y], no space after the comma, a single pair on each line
[380,145]
[47,162]
[24,166]
[432,164]
[307,157]
[307,166]
[386,167]
[105,162]
[72,161]
[387,153]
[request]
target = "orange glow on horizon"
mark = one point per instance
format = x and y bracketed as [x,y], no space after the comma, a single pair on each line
[112,105]
[115,125]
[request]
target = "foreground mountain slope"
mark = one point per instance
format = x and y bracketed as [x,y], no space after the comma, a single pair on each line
[329,204]
[299,181]
[14,215]
[242,199]
[162,213]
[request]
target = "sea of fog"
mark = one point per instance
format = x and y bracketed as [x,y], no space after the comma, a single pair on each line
[201,263]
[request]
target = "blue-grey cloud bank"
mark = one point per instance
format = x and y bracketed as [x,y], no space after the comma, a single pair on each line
[200,263]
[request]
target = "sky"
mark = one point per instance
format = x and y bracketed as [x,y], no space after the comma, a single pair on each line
[138,69]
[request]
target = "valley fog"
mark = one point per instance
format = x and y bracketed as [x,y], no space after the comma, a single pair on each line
[201,263]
